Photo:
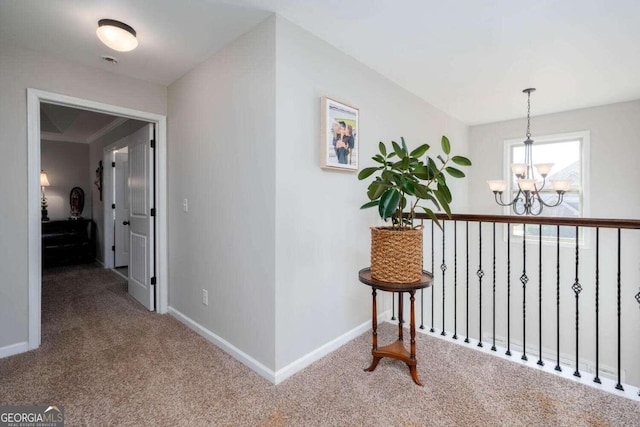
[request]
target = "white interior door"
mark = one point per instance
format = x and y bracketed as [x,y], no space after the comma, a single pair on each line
[121,197]
[141,245]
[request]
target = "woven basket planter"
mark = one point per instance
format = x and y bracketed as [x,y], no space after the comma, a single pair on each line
[396,255]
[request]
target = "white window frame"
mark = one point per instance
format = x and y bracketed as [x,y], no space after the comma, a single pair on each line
[585,144]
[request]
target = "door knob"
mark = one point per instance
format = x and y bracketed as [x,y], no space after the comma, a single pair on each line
[125,222]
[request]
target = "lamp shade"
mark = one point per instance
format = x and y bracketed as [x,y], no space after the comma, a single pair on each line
[44,181]
[544,168]
[561,185]
[497,185]
[527,184]
[519,169]
[117,35]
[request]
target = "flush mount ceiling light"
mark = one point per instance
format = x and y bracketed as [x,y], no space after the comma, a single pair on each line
[117,35]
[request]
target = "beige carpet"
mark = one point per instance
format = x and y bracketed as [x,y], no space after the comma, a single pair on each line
[110,362]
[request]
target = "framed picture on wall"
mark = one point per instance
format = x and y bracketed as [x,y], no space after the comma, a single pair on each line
[339,138]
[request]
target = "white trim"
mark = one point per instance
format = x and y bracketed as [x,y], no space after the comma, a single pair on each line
[224,345]
[34,98]
[262,370]
[10,350]
[107,211]
[317,354]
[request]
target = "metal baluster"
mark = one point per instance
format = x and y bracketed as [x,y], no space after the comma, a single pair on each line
[443,267]
[558,368]
[480,273]
[455,280]
[421,294]
[597,378]
[432,284]
[493,347]
[524,279]
[619,385]
[467,302]
[540,362]
[508,353]
[577,288]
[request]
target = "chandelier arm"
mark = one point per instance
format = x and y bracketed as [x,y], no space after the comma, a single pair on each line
[553,205]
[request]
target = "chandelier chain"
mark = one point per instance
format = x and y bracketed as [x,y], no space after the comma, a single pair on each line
[528,115]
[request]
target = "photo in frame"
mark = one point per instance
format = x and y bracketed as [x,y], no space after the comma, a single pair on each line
[339,135]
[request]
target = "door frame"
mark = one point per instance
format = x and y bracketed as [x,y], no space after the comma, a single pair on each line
[34,98]
[107,196]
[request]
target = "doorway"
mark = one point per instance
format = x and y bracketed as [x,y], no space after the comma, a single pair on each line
[157,229]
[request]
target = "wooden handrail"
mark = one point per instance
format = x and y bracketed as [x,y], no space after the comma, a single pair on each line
[543,220]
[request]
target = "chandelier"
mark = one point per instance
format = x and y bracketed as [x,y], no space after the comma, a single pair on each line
[528,200]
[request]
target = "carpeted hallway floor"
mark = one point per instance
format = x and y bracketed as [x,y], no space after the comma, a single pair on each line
[110,362]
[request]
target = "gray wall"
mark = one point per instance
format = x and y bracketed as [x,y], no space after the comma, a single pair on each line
[66,165]
[222,159]
[21,69]
[322,238]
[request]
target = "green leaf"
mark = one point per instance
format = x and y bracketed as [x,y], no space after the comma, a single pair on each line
[446,145]
[441,159]
[443,202]
[461,161]
[391,155]
[418,152]
[366,173]
[388,203]
[378,158]
[408,187]
[434,201]
[382,148]
[444,190]
[405,163]
[397,149]
[370,204]
[421,191]
[431,215]
[376,189]
[421,172]
[456,173]
[404,146]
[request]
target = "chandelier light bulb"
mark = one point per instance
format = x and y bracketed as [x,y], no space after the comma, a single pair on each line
[117,35]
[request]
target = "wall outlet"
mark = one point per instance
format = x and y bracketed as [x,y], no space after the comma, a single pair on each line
[205,297]
[185,205]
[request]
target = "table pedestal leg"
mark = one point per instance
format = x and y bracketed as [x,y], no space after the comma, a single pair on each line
[412,332]
[374,324]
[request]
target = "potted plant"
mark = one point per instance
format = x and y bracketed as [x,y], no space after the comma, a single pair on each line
[402,180]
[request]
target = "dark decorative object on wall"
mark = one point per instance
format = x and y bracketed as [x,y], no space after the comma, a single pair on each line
[98,181]
[76,201]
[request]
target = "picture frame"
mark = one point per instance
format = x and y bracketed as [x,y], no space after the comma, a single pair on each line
[339,141]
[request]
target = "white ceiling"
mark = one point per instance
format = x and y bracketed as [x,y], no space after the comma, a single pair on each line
[470,58]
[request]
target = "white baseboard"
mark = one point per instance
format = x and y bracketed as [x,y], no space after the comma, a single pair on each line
[225,345]
[100,262]
[10,350]
[317,354]
[290,369]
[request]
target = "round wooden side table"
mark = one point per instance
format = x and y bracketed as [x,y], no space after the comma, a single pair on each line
[396,350]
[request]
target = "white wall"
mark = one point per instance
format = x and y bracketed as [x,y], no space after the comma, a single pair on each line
[66,165]
[21,69]
[322,238]
[222,159]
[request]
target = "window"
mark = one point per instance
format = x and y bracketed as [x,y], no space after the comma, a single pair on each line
[569,154]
